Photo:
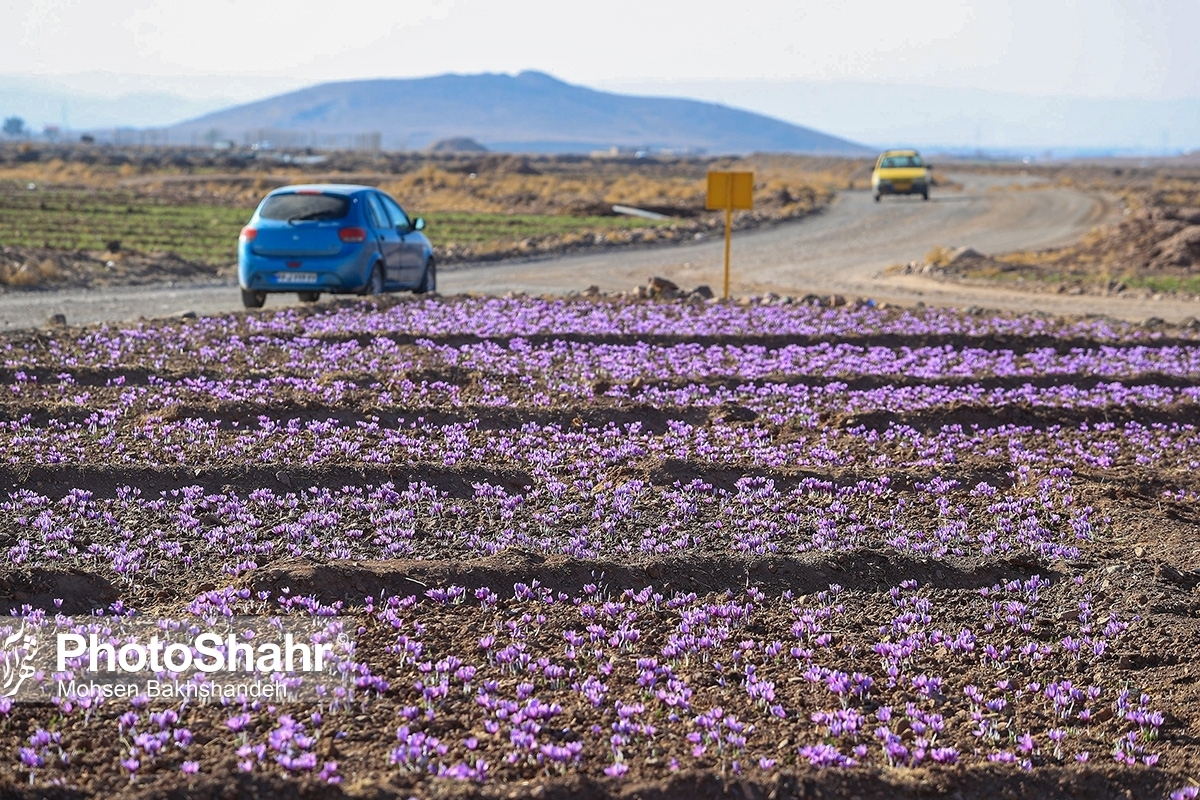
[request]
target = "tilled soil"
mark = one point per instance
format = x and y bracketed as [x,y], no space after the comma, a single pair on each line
[40,268]
[597,548]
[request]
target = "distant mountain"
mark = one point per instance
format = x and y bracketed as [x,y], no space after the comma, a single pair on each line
[92,101]
[963,120]
[41,104]
[529,112]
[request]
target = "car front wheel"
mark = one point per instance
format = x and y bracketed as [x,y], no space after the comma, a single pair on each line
[375,283]
[309,297]
[428,280]
[252,299]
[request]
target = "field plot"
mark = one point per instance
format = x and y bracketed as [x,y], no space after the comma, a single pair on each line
[616,548]
[77,219]
[62,236]
[74,219]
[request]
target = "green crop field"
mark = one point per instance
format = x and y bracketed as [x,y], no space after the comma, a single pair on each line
[78,219]
[82,219]
[1168,284]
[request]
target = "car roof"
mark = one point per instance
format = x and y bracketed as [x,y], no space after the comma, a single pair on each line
[337,188]
[900,153]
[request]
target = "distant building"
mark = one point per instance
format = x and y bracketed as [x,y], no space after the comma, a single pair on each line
[457,144]
[623,151]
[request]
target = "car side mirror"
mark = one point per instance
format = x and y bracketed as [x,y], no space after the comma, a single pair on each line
[419,224]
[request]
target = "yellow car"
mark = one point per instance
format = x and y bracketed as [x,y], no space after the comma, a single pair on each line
[900,172]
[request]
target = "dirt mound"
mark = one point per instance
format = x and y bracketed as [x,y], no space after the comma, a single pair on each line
[1155,248]
[458,144]
[1179,250]
[71,592]
[859,570]
[1152,238]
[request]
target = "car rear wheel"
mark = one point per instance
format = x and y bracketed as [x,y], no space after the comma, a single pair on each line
[428,280]
[375,283]
[877,197]
[925,195]
[252,299]
[309,297]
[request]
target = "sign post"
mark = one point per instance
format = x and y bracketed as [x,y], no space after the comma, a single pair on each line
[727,191]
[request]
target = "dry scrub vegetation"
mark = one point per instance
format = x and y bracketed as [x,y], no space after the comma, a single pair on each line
[29,272]
[784,187]
[1155,248]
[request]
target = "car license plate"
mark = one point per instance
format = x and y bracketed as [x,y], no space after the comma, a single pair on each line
[903,187]
[295,277]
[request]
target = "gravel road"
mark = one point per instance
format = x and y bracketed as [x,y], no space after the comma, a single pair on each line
[842,250]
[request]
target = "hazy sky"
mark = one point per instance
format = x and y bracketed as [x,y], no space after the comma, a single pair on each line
[1095,48]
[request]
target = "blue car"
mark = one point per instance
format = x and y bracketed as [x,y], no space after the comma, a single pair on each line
[334,238]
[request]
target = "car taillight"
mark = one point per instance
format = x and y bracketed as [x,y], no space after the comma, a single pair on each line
[248,234]
[350,235]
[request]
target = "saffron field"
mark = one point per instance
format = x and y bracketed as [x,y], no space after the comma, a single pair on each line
[613,548]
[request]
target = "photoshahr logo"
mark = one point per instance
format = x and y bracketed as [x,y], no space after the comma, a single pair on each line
[269,658]
[18,652]
[208,653]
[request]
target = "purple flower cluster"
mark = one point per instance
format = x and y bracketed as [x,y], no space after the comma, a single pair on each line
[629,433]
[712,681]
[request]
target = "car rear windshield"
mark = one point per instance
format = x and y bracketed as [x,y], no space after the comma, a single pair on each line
[899,162]
[305,206]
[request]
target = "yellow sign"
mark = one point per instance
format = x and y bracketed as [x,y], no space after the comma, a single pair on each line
[727,191]
[730,190]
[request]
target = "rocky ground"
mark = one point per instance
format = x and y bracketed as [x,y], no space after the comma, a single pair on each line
[1154,249]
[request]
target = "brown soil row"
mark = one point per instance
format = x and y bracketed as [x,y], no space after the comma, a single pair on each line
[1099,782]
[717,572]
[652,419]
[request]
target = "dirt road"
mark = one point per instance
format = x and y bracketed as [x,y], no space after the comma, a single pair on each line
[839,250]
[842,250]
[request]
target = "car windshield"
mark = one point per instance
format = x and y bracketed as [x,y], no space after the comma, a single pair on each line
[292,207]
[899,162]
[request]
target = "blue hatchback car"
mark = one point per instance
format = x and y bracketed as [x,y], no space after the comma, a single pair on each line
[332,238]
